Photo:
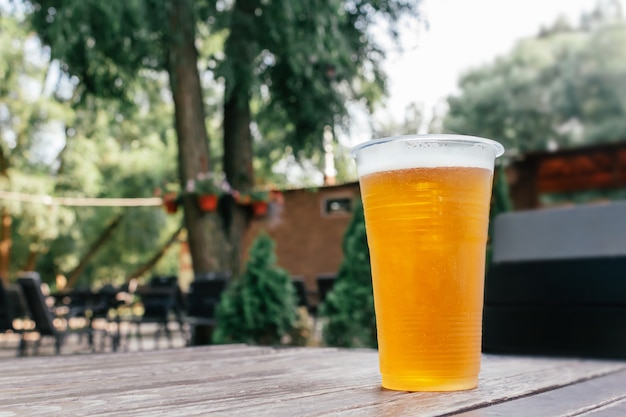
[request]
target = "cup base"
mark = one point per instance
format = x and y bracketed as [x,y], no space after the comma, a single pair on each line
[405,383]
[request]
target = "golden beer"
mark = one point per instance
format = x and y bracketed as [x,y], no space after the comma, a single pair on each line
[427,233]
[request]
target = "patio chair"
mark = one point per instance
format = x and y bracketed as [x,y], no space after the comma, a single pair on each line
[96,307]
[325,283]
[105,301]
[9,311]
[163,303]
[202,300]
[301,293]
[6,317]
[43,316]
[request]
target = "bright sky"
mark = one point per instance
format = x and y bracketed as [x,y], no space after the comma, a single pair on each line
[463,34]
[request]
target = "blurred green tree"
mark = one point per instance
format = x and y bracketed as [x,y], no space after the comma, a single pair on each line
[298,62]
[260,307]
[562,88]
[349,306]
[49,145]
[29,116]
[500,203]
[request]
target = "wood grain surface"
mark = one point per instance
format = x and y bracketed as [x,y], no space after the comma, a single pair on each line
[238,380]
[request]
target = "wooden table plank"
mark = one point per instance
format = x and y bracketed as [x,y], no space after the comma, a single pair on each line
[260,381]
[593,397]
[617,409]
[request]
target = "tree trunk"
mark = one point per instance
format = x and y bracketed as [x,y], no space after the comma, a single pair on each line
[31,260]
[5,244]
[5,227]
[241,49]
[238,168]
[73,276]
[203,230]
[152,261]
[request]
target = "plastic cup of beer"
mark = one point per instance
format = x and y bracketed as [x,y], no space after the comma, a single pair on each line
[426,200]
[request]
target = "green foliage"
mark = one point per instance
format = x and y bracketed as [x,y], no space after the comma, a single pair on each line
[301,60]
[323,48]
[299,63]
[114,153]
[500,203]
[501,195]
[29,116]
[35,226]
[127,172]
[260,307]
[562,88]
[209,183]
[349,307]
[103,43]
[99,148]
[581,197]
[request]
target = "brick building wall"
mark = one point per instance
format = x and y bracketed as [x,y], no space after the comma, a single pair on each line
[308,230]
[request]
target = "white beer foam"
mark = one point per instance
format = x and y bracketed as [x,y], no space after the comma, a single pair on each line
[425,151]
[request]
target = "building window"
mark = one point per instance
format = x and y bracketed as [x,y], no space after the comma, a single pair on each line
[337,206]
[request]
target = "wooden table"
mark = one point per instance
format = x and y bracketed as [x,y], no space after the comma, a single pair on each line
[239,380]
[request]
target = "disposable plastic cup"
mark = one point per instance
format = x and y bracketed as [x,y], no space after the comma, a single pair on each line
[426,201]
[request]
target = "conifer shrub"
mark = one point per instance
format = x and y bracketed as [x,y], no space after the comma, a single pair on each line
[348,309]
[500,203]
[260,307]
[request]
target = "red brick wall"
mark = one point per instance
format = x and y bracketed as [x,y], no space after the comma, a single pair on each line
[308,241]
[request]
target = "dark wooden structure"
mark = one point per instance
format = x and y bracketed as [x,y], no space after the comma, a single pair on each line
[584,168]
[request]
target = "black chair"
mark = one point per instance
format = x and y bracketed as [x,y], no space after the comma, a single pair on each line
[10,309]
[95,307]
[6,316]
[162,301]
[202,300]
[16,303]
[74,300]
[301,293]
[179,301]
[325,283]
[163,281]
[43,316]
[104,302]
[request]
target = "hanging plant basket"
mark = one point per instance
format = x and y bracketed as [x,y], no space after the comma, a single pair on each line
[207,202]
[243,199]
[170,203]
[259,208]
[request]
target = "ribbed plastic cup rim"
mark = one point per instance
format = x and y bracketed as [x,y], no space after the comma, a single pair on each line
[432,138]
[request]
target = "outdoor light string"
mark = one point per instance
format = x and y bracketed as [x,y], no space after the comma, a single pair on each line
[220,183]
[80,201]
